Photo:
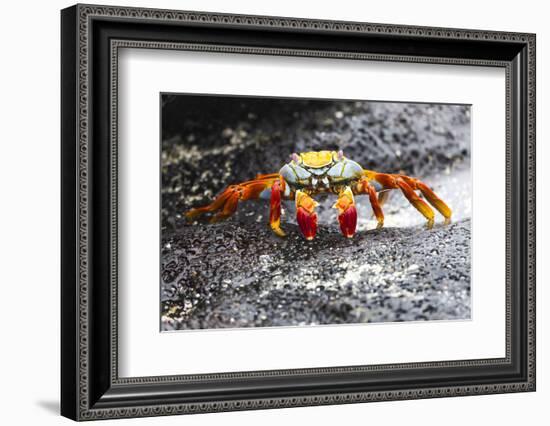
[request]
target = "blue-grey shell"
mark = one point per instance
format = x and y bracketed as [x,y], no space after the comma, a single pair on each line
[345,169]
[339,171]
[293,173]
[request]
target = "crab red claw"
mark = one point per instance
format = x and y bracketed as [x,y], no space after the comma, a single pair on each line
[305,215]
[347,216]
[307,222]
[348,221]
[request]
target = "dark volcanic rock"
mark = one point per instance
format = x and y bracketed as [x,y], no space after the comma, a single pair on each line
[238,274]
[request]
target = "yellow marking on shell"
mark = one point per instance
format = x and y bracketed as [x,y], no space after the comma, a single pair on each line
[316,159]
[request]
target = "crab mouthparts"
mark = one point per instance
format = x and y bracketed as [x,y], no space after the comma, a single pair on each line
[307,222]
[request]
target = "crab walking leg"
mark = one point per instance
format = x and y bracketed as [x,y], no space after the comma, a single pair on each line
[376,206]
[399,182]
[305,214]
[347,212]
[275,208]
[364,187]
[228,194]
[226,203]
[377,202]
[416,201]
[431,196]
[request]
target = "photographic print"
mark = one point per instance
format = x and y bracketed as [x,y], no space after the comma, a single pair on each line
[280,212]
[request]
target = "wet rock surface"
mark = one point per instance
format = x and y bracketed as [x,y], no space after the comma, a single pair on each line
[238,274]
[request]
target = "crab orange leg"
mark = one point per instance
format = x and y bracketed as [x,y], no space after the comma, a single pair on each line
[275,208]
[225,204]
[228,196]
[305,214]
[416,201]
[364,187]
[347,213]
[431,196]
[397,182]
[408,185]
[376,204]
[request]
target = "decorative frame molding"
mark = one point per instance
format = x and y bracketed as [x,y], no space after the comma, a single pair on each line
[91,388]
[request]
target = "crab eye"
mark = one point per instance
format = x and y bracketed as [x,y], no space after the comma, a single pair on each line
[337,155]
[295,157]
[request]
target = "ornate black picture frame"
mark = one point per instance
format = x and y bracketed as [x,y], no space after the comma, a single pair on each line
[91,386]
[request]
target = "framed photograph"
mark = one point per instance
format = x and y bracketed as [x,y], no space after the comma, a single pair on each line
[263,212]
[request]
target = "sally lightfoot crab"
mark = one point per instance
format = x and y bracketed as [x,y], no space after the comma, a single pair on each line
[312,173]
